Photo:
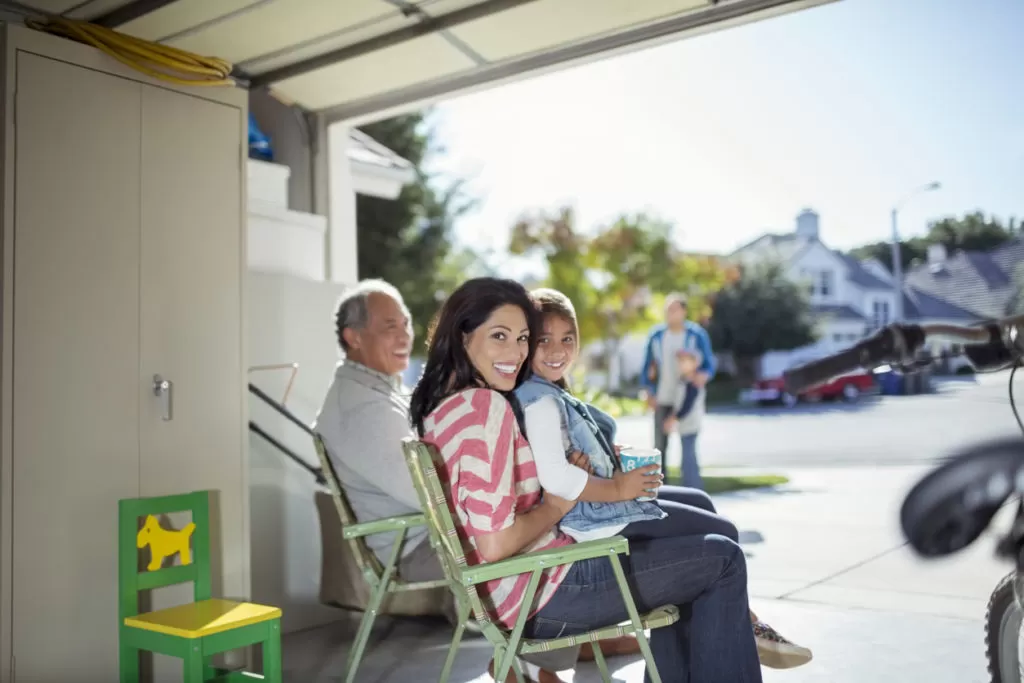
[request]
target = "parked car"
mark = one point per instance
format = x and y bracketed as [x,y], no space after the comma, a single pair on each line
[847,388]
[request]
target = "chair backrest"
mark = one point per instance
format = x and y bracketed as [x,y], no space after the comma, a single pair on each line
[191,544]
[365,559]
[422,460]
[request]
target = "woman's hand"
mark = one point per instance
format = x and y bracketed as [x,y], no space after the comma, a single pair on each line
[580,460]
[637,483]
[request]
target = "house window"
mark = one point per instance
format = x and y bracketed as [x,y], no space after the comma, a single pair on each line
[820,283]
[880,314]
[826,284]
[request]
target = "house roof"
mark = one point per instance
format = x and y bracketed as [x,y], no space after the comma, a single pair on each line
[364,149]
[781,247]
[788,247]
[918,305]
[980,283]
[839,312]
[861,275]
[355,60]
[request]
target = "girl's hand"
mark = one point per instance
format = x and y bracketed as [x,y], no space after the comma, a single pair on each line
[580,460]
[639,482]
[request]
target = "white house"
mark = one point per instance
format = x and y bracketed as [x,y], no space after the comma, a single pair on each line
[851,298]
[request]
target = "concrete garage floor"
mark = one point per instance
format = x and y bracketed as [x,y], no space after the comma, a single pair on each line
[828,568]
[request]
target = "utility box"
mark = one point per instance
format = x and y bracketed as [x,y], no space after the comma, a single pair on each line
[123,227]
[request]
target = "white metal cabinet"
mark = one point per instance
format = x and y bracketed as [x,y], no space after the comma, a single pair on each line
[75,345]
[123,259]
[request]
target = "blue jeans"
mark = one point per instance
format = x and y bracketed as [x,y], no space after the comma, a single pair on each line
[690,512]
[705,576]
[691,470]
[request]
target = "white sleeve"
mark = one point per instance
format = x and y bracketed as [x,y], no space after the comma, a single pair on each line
[544,432]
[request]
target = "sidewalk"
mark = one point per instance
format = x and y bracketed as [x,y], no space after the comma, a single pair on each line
[828,568]
[833,572]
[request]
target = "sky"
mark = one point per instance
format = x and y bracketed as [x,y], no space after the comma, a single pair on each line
[844,108]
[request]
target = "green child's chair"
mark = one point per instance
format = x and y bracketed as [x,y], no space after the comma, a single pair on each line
[464,579]
[196,631]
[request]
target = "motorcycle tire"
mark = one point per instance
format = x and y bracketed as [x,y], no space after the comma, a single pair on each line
[999,603]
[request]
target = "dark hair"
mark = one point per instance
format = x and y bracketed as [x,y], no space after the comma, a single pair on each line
[448,369]
[552,302]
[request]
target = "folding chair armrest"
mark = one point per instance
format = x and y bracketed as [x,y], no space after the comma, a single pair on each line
[379,526]
[543,559]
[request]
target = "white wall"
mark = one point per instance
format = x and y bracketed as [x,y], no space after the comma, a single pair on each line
[290,320]
[818,258]
[343,257]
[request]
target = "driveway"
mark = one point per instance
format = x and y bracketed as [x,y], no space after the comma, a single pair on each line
[873,431]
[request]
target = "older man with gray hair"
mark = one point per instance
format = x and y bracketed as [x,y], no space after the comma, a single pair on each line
[362,423]
[365,416]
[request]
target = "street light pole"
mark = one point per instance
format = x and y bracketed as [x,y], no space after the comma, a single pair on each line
[897,267]
[897,257]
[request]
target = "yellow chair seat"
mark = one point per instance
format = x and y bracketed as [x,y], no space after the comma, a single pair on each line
[201,619]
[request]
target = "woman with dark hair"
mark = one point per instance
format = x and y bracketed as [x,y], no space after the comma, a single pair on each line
[479,351]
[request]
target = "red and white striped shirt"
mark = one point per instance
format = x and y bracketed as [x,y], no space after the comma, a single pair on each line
[491,475]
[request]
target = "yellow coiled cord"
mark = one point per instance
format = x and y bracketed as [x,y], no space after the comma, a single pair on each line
[159,61]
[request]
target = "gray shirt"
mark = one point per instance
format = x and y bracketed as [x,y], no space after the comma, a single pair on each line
[362,422]
[668,373]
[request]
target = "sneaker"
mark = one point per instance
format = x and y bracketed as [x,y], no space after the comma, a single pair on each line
[775,651]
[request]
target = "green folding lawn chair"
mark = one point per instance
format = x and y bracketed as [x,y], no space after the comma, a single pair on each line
[382,579]
[463,580]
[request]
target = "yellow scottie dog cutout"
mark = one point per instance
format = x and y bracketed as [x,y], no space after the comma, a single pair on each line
[164,543]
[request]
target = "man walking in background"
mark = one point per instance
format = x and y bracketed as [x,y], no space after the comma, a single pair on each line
[678,364]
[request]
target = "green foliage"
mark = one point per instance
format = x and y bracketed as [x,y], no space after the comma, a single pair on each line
[616,406]
[761,311]
[407,241]
[616,275]
[972,232]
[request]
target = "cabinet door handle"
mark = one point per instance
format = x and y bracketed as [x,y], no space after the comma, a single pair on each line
[164,390]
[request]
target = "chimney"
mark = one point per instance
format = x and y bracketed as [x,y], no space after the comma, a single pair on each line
[807,224]
[936,254]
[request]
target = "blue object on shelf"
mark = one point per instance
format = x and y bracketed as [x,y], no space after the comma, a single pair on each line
[259,143]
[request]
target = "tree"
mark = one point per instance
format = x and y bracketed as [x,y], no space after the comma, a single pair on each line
[614,275]
[407,241]
[911,251]
[972,232]
[761,311]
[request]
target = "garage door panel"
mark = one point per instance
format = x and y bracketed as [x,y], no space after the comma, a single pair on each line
[552,23]
[397,67]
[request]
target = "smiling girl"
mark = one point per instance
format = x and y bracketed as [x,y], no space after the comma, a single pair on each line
[560,427]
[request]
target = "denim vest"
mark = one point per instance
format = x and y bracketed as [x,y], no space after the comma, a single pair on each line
[592,432]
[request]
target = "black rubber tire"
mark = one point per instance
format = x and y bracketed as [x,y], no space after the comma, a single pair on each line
[1001,600]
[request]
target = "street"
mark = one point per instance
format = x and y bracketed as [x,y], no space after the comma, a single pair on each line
[887,430]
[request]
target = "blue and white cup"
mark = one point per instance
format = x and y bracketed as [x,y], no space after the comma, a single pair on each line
[632,458]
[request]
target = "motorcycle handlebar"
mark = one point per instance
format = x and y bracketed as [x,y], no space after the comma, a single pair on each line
[897,343]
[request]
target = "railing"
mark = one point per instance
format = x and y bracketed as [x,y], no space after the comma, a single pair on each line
[291,417]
